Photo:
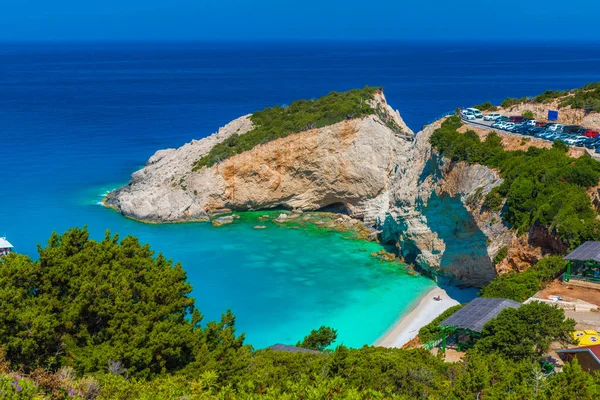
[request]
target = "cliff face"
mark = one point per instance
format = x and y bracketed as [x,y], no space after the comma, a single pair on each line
[430,208]
[348,164]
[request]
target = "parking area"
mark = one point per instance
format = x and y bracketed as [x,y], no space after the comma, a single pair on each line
[572,135]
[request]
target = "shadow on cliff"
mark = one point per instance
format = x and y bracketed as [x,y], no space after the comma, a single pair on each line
[465,261]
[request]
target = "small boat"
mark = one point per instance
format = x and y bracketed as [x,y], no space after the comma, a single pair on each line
[5,246]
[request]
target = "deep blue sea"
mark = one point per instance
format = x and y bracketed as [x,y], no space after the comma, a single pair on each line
[76,119]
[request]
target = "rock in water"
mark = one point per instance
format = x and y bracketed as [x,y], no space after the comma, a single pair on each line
[260,227]
[223,220]
[282,218]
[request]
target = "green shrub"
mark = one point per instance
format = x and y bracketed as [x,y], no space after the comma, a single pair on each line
[277,122]
[431,330]
[527,114]
[487,106]
[526,332]
[511,101]
[501,255]
[550,95]
[520,286]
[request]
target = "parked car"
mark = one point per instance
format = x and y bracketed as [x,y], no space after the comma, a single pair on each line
[554,127]
[515,118]
[532,131]
[497,124]
[532,122]
[571,128]
[591,143]
[492,117]
[470,117]
[575,140]
[508,126]
[591,133]
[475,112]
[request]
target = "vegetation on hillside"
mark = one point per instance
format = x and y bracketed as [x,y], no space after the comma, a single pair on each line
[110,320]
[277,122]
[487,106]
[585,98]
[520,286]
[542,187]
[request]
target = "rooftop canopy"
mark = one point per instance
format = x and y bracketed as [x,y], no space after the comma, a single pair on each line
[586,252]
[478,312]
[5,244]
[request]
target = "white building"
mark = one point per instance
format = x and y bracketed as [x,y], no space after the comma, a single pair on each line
[5,246]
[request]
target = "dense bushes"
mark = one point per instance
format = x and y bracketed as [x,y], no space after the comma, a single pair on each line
[541,186]
[112,309]
[519,286]
[512,101]
[87,303]
[550,95]
[277,122]
[588,98]
[487,106]
[526,332]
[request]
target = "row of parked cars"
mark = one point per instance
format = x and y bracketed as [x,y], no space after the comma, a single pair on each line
[573,135]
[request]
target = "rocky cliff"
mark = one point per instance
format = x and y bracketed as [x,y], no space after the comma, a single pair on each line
[347,165]
[391,179]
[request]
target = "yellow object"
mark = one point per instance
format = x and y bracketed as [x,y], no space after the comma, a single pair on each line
[587,337]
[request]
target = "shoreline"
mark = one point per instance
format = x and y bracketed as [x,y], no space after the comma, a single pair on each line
[422,311]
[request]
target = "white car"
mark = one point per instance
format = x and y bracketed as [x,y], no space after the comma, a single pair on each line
[532,122]
[555,127]
[507,126]
[572,140]
[470,117]
[492,117]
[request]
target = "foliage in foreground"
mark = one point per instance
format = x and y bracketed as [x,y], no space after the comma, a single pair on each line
[542,187]
[85,304]
[109,320]
[520,286]
[277,122]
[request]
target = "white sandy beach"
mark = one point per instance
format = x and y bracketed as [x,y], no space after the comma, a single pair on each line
[407,327]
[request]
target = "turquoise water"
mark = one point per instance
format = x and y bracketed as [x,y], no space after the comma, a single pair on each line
[283,282]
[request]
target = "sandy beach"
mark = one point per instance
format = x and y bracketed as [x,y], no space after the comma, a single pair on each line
[426,310]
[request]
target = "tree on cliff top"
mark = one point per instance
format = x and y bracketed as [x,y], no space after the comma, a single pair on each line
[319,339]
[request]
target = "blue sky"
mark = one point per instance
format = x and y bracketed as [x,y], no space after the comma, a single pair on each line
[298,19]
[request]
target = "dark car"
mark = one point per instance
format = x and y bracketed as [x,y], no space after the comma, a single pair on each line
[515,118]
[592,143]
[571,129]
[532,130]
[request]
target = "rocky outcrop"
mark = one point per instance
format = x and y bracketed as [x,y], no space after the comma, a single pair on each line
[348,164]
